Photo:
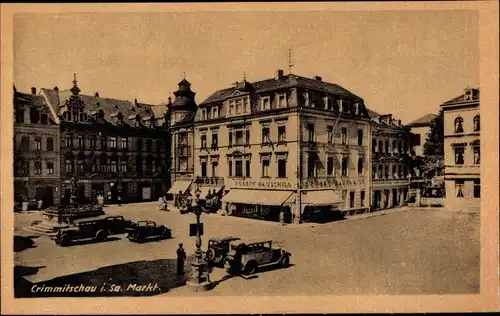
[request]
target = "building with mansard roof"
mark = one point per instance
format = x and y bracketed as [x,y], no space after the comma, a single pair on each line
[289,143]
[113,147]
[36,150]
[462,150]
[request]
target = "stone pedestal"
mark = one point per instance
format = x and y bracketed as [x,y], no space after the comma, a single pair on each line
[198,278]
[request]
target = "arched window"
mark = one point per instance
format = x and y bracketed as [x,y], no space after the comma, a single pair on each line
[477,125]
[459,125]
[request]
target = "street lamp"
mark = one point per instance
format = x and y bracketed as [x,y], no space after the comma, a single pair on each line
[73,190]
[198,279]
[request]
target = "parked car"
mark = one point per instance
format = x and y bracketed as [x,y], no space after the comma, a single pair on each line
[247,256]
[144,230]
[118,224]
[97,229]
[218,248]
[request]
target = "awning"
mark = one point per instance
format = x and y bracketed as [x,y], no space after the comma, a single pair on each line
[180,185]
[320,197]
[257,197]
[206,190]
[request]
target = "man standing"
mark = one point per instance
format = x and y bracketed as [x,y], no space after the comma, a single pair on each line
[181,257]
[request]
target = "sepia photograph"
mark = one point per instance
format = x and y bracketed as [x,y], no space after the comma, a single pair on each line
[203,154]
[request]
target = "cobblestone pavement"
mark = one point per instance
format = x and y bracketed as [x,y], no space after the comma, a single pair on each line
[403,251]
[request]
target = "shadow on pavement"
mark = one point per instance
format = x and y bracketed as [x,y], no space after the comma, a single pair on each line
[139,278]
[249,277]
[92,241]
[24,242]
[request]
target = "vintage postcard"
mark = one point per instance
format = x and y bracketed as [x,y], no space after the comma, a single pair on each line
[250,158]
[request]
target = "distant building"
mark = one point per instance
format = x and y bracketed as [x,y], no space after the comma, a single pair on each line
[288,142]
[462,150]
[36,150]
[420,128]
[112,147]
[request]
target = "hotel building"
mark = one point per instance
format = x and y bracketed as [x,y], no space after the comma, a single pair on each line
[289,142]
[462,150]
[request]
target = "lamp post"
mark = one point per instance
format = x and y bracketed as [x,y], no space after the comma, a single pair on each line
[73,190]
[198,279]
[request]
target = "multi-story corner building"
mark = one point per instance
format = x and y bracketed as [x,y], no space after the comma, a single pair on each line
[421,128]
[462,150]
[391,151]
[289,142]
[112,147]
[36,150]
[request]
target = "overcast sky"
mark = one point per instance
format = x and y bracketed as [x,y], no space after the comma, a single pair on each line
[404,63]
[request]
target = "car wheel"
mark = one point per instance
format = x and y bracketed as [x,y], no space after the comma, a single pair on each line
[285,261]
[167,233]
[250,268]
[64,241]
[210,254]
[101,235]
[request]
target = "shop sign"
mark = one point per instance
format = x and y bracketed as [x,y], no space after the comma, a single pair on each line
[263,184]
[210,181]
[329,183]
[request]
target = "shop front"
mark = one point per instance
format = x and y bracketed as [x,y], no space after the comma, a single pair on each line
[260,204]
[321,205]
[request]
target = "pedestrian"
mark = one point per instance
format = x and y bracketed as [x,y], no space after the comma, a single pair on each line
[109,197]
[40,203]
[181,257]
[282,217]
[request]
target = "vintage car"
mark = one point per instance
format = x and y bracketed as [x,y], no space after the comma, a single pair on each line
[97,229]
[218,248]
[247,256]
[147,230]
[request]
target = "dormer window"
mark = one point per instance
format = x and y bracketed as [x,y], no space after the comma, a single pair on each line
[306,99]
[468,94]
[231,108]
[246,105]
[239,106]
[477,125]
[215,112]
[325,101]
[203,114]
[282,101]
[265,103]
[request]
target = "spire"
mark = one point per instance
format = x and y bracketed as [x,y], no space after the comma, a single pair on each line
[290,65]
[184,75]
[75,90]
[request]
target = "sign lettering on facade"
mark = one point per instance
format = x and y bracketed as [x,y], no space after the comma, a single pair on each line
[210,181]
[263,184]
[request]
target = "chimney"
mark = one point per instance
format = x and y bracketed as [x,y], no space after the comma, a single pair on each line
[318,78]
[279,74]
[135,102]
[399,122]
[56,88]
[33,90]
[96,94]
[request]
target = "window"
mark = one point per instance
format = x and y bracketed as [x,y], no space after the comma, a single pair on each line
[80,142]
[394,147]
[238,164]
[329,133]
[282,167]
[459,188]
[344,135]
[282,101]
[92,141]
[329,166]
[417,140]
[93,168]
[344,166]
[459,155]
[44,119]
[25,168]
[477,188]
[265,166]
[239,137]
[214,168]
[352,199]
[239,106]
[38,167]
[203,168]
[400,146]
[138,164]
[394,171]
[247,167]
[68,166]
[477,155]
[19,116]
[386,173]
[246,104]
[50,167]
[247,137]
[266,104]
[38,143]
[123,166]
[203,114]
[387,149]
[230,167]
[215,112]
[139,144]
[400,171]
[477,125]
[230,138]
[380,146]
[344,196]
[459,125]
[374,146]
[362,198]
[124,141]
[149,145]
[203,141]
[374,172]
[113,166]
[311,165]
[360,137]
[265,136]
[34,116]
[310,132]
[231,107]
[215,140]
[112,142]
[360,166]
[281,134]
